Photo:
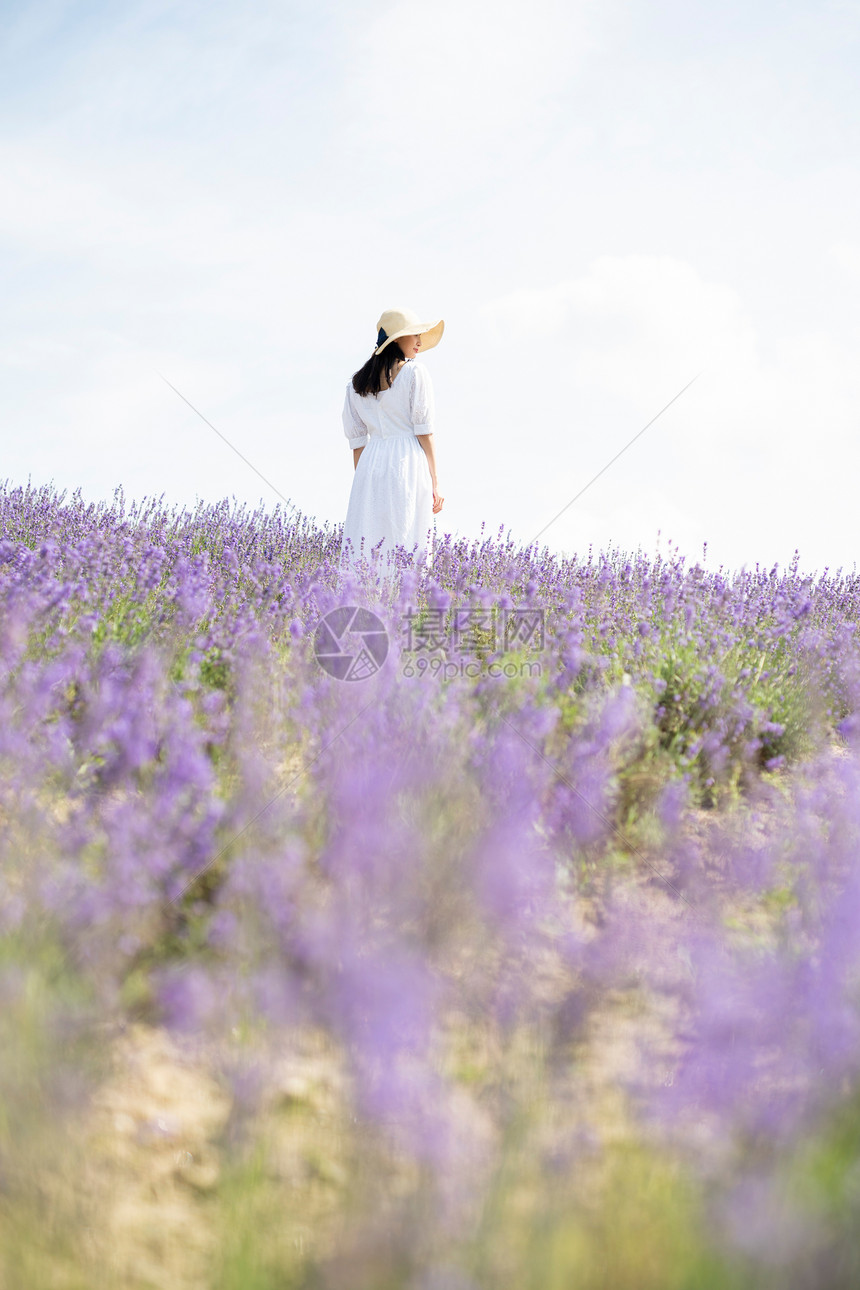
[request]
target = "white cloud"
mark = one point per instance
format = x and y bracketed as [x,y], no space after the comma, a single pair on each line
[632,323]
[473,85]
[845,256]
[732,462]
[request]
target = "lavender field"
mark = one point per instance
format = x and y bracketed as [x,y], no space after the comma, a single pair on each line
[496,924]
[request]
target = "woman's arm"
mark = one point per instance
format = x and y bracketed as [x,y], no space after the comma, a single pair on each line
[426,441]
[353,426]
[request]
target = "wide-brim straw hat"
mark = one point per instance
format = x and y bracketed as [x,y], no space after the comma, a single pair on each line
[403,322]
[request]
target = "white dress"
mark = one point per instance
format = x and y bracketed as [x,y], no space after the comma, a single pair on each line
[391,501]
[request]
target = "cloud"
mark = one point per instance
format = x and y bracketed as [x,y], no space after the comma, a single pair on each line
[474,85]
[845,257]
[634,324]
[730,463]
[54,204]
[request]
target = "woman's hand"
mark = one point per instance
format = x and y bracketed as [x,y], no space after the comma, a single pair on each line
[426,442]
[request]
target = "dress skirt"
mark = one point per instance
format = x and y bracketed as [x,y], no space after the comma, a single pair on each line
[391,501]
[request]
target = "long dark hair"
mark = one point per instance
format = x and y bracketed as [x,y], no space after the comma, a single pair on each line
[368,379]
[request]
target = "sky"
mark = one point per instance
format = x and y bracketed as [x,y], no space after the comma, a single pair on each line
[604,201]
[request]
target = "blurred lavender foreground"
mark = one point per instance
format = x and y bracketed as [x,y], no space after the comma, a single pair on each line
[527,957]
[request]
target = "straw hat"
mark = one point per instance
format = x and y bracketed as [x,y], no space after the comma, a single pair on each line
[395,323]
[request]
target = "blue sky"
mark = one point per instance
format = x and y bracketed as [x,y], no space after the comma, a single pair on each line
[602,200]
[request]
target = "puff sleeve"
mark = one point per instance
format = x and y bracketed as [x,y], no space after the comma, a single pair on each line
[353,426]
[421,404]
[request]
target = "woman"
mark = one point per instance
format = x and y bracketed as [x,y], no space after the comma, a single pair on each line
[388,419]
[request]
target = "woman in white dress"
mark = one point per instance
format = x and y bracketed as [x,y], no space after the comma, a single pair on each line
[388,418]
